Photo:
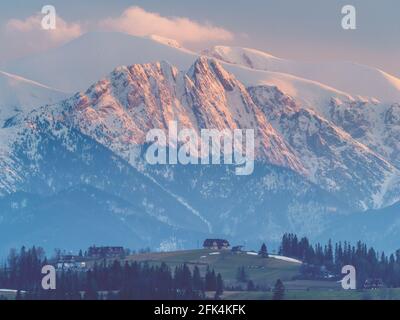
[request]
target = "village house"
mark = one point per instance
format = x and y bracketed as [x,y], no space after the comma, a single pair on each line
[70,262]
[216,244]
[237,249]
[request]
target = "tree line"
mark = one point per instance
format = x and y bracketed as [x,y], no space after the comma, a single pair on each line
[369,263]
[116,280]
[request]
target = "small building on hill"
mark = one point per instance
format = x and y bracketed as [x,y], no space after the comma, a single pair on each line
[105,252]
[237,249]
[216,244]
[70,262]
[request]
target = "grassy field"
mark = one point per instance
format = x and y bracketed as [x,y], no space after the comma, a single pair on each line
[7,294]
[381,294]
[263,272]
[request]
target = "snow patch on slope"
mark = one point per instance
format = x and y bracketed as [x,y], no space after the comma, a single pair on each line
[356,79]
[83,61]
[285,259]
[18,94]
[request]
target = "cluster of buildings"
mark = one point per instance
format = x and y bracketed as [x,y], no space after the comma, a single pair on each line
[221,244]
[216,244]
[80,262]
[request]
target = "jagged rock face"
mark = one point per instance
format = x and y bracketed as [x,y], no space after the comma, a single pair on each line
[375,125]
[120,110]
[334,158]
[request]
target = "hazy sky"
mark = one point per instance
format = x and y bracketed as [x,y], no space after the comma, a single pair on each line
[296,29]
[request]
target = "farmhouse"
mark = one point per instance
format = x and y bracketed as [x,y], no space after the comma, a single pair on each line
[70,262]
[237,249]
[216,244]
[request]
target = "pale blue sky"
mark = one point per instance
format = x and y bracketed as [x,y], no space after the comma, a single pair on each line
[297,29]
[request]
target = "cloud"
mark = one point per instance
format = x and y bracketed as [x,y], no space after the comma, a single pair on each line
[139,22]
[24,37]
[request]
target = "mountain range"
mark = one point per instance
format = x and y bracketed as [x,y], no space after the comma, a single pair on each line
[72,158]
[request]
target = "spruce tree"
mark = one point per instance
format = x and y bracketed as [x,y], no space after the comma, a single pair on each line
[279,290]
[197,280]
[241,275]
[211,280]
[220,287]
[263,251]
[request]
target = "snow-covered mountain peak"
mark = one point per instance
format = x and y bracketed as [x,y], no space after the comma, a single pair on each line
[94,54]
[205,67]
[248,57]
[354,78]
[336,147]
[18,94]
[119,110]
[318,149]
[169,42]
[78,64]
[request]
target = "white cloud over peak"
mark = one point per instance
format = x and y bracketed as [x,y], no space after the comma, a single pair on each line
[64,31]
[139,22]
[27,36]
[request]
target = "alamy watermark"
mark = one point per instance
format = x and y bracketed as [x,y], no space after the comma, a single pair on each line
[349,281]
[185,146]
[349,21]
[49,280]
[49,20]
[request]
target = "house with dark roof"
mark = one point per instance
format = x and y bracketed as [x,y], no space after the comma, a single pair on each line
[237,249]
[216,244]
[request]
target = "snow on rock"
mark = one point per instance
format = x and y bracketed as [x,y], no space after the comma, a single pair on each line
[307,93]
[119,110]
[335,159]
[353,78]
[169,42]
[18,94]
[332,137]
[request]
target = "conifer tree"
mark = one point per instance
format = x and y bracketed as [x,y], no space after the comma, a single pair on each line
[219,287]
[279,290]
[263,251]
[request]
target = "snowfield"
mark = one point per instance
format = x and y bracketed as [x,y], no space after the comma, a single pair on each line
[252,253]
[95,54]
[214,253]
[353,78]
[18,94]
[285,258]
